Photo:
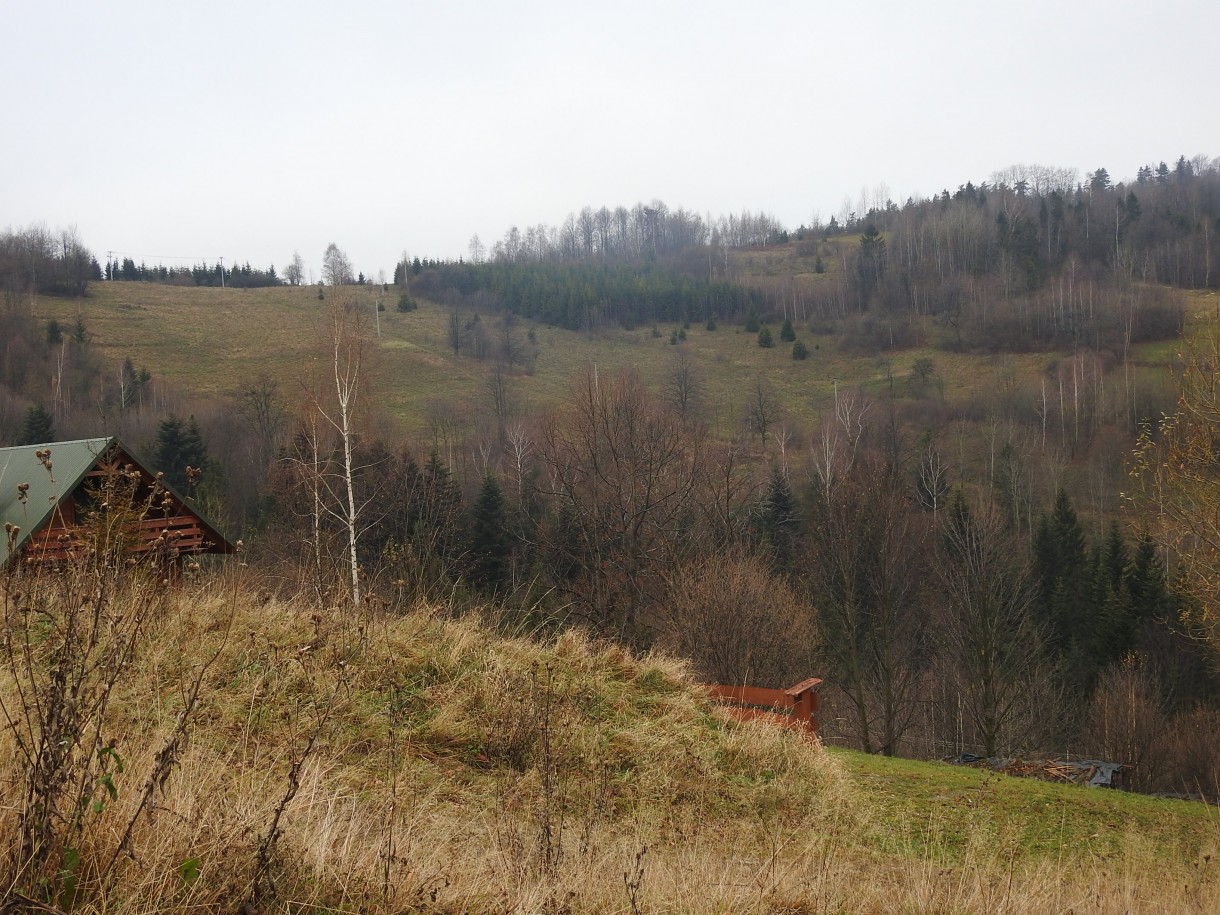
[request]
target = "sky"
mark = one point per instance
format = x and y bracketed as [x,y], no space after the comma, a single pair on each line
[181,132]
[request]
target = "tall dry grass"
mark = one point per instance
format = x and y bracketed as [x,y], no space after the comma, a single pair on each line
[343,763]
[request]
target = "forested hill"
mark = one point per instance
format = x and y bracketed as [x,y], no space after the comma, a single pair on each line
[843,435]
[584,294]
[1035,258]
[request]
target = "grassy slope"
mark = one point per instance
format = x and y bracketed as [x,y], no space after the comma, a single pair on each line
[936,808]
[431,788]
[207,340]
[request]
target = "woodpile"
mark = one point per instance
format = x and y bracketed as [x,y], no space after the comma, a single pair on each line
[1090,772]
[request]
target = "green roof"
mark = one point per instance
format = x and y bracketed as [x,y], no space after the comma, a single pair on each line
[30,493]
[70,461]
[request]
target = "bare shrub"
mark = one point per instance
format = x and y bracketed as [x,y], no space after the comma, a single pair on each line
[737,621]
[1193,764]
[1126,723]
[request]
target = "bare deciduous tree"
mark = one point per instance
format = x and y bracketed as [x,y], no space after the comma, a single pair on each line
[500,394]
[294,273]
[993,643]
[624,472]
[762,409]
[262,408]
[867,568]
[455,333]
[336,268]
[684,387]
[334,401]
[739,624]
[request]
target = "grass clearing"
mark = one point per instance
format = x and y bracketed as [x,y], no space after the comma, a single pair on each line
[208,340]
[939,809]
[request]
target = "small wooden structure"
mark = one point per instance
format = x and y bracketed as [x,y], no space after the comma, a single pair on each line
[50,492]
[795,707]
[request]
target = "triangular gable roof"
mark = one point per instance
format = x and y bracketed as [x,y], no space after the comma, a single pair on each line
[71,463]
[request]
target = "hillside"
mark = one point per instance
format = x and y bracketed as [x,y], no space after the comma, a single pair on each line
[299,759]
[206,341]
[835,515]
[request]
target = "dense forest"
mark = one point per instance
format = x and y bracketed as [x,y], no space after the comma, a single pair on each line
[965,575]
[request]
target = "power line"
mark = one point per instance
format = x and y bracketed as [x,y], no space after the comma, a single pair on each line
[159,257]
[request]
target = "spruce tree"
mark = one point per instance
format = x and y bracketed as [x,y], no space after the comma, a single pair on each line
[37,428]
[439,517]
[1064,579]
[779,519]
[179,446]
[489,547]
[787,333]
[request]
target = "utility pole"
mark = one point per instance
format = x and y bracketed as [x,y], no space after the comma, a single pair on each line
[222,273]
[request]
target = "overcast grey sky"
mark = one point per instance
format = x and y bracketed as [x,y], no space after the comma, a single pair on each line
[253,129]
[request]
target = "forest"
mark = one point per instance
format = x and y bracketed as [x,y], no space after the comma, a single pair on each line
[1010,573]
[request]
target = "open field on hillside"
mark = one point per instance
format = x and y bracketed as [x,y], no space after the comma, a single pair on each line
[419,763]
[936,808]
[207,340]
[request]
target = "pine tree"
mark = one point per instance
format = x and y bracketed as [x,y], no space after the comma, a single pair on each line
[787,333]
[489,547]
[779,519]
[180,446]
[1062,568]
[37,428]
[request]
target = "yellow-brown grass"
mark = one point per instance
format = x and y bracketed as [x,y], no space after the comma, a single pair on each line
[454,770]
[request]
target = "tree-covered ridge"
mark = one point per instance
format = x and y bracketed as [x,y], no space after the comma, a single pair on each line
[1029,222]
[577,295]
[1034,258]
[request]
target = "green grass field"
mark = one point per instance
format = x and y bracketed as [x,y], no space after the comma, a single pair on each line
[931,808]
[208,340]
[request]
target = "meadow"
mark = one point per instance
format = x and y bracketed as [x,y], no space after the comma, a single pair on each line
[206,341]
[279,755]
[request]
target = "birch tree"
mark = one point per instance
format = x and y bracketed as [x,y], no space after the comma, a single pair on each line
[335,399]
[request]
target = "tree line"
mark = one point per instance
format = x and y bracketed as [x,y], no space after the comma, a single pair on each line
[582,295]
[241,276]
[1034,259]
[646,230]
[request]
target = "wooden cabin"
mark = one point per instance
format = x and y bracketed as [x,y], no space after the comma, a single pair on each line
[52,497]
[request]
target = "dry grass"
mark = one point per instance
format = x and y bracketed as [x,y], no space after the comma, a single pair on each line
[208,339]
[441,768]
